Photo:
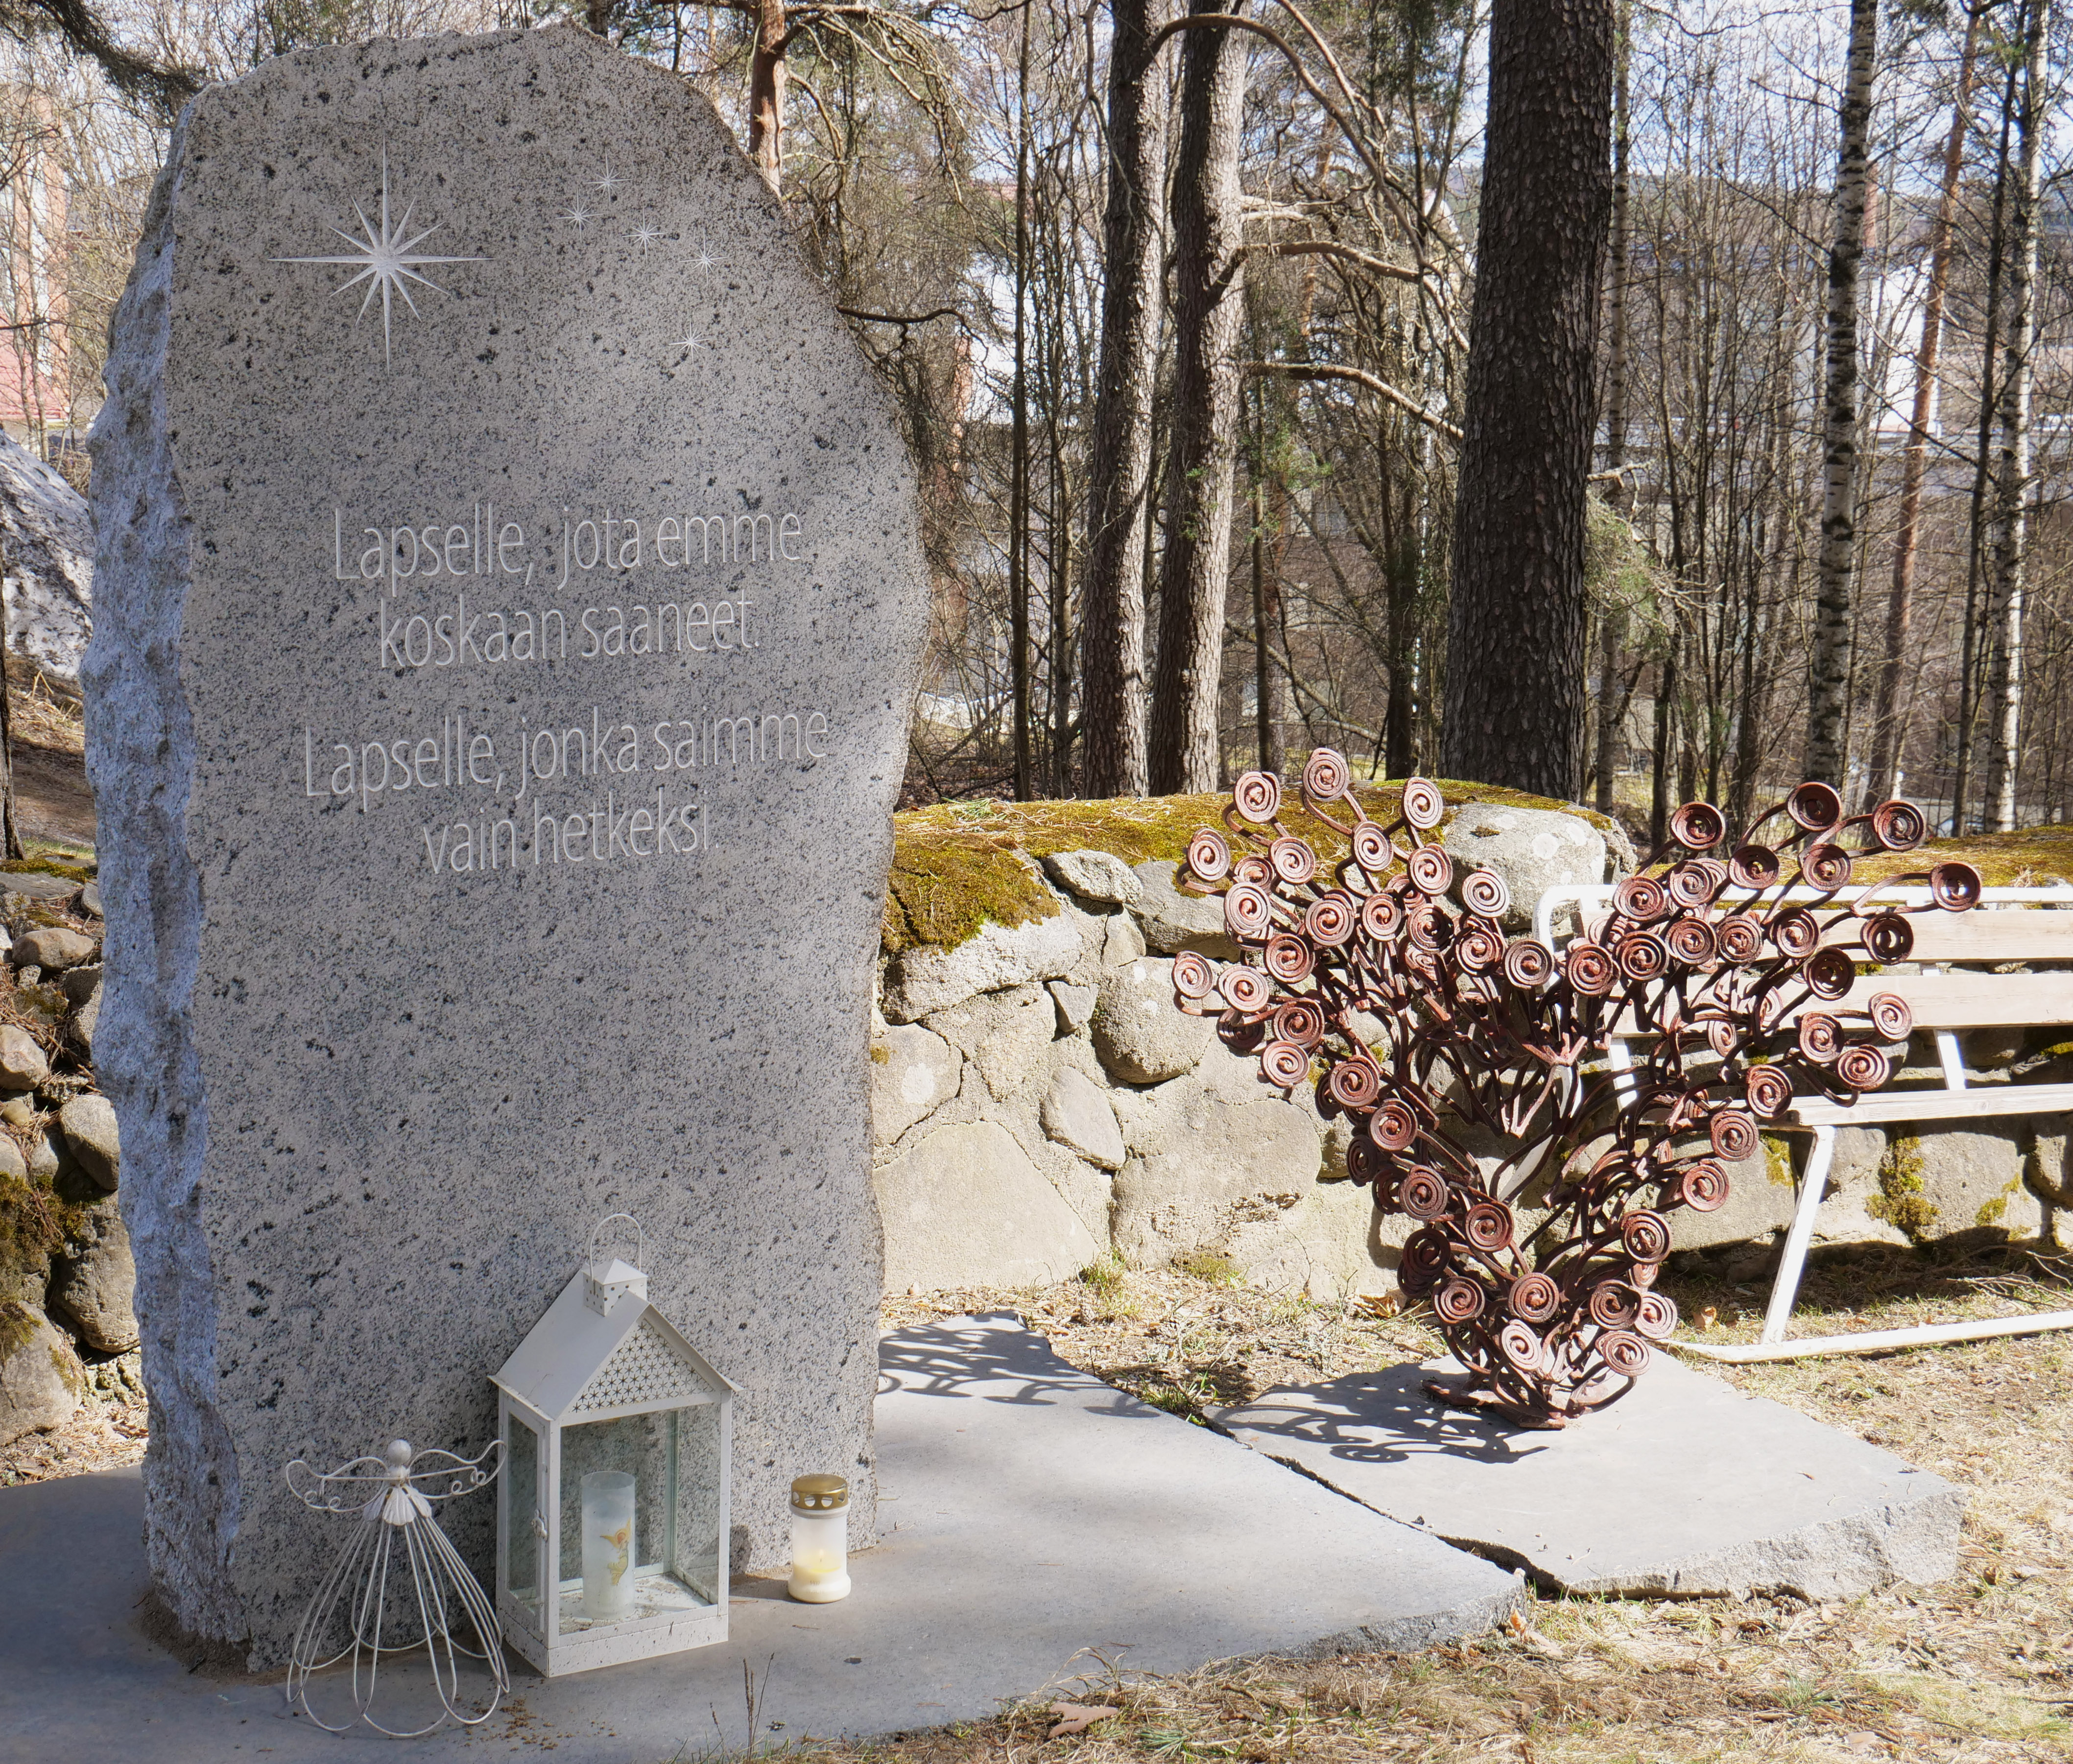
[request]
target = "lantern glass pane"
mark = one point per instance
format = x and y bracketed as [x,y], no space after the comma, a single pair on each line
[700,1535]
[521,1495]
[620,1508]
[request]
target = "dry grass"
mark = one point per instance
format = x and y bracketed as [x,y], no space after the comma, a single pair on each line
[107,1433]
[1979,1668]
[42,714]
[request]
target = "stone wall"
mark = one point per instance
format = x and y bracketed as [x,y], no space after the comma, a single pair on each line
[67,1330]
[1039,1103]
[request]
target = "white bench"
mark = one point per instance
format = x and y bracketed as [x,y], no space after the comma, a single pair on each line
[1947,1000]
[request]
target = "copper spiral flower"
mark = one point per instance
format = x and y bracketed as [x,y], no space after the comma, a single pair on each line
[1257,796]
[1208,855]
[1293,860]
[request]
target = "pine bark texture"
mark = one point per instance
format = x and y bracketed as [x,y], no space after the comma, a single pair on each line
[1113,751]
[1828,681]
[1515,631]
[1612,634]
[1209,313]
[2004,615]
[1888,738]
[766,90]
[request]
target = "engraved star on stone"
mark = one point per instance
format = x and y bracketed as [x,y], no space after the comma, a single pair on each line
[645,236]
[388,263]
[608,182]
[705,260]
[578,214]
[690,340]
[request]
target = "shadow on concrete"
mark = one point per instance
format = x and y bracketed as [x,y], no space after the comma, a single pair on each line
[992,1357]
[1384,1417]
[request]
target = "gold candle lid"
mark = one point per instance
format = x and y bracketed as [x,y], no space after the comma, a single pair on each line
[819,1494]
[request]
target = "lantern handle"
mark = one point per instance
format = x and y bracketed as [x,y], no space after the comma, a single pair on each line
[639,1238]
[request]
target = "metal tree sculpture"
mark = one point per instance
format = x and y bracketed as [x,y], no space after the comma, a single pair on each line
[1390,984]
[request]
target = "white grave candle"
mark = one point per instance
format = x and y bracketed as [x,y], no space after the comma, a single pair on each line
[607,1545]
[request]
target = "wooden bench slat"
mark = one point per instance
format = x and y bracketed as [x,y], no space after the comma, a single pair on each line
[1985,934]
[1967,1000]
[1981,1100]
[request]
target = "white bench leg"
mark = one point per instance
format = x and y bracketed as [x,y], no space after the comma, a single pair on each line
[1785,1290]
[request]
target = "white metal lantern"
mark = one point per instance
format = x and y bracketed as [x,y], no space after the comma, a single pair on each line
[611,1524]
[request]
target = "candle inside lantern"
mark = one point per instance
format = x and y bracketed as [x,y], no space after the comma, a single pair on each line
[820,1540]
[607,1544]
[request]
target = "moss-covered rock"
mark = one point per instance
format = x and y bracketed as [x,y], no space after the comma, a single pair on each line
[961,865]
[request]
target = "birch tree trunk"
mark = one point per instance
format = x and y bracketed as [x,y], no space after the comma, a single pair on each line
[1828,682]
[1208,281]
[2005,613]
[1113,755]
[1612,634]
[1889,742]
[1515,628]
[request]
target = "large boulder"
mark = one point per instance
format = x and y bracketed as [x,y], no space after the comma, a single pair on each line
[1533,850]
[1326,1247]
[53,947]
[1760,1201]
[94,1285]
[1208,1153]
[1946,1181]
[913,1072]
[1076,1115]
[930,977]
[1140,1034]
[42,1383]
[48,535]
[1174,921]
[1095,875]
[965,1206]
[88,1123]
[24,1064]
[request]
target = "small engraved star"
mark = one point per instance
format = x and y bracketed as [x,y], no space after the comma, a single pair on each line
[704,259]
[389,261]
[645,236]
[578,214]
[608,182]
[690,340]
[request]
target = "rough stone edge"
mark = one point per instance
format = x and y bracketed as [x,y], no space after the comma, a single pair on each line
[1912,1539]
[140,758]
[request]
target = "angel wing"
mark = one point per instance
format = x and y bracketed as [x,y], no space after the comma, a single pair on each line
[370,1486]
[454,1474]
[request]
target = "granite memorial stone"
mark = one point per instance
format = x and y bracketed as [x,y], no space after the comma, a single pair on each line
[509,600]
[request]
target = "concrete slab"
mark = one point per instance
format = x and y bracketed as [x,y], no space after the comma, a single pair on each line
[1684,1487]
[1030,1514]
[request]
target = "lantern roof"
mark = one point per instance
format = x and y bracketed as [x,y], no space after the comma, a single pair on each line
[581,1362]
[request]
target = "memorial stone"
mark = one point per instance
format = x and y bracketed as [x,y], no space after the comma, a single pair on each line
[509,600]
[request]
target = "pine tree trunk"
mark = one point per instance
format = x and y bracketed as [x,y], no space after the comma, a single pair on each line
[1018,465]
[766,91]
[2005,614]
[1889,742]
[1209,280]
[1113,760]
[1828,683]
[1515,628]
[1612,634]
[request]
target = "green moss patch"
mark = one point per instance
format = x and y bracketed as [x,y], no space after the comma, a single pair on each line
[69,869]
[958,866]
[2028,859]
[1900,1201]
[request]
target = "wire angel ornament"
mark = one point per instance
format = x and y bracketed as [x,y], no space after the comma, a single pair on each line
[391,1496]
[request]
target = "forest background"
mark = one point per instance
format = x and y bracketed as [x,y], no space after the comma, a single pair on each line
[1253,399]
